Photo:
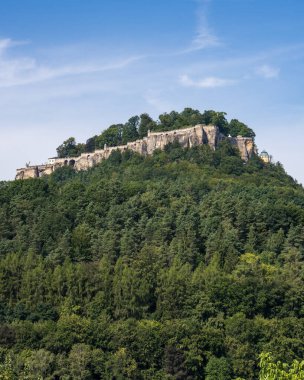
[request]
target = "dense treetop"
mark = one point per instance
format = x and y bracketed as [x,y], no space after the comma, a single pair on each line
[137,127]
[186,264]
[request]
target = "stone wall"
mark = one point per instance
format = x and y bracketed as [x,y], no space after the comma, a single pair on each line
[187,138]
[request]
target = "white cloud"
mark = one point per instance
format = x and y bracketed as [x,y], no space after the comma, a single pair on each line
[204,37]
[268,72]
[27,70]
[207,82]
[6,43]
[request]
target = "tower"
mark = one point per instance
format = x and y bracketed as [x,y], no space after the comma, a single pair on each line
[265,157]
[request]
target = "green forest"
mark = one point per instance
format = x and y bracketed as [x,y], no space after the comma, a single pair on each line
[187,264]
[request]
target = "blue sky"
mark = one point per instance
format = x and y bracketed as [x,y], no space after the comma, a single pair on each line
[73,67]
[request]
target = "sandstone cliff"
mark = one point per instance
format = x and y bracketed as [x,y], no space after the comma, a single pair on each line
[187,137]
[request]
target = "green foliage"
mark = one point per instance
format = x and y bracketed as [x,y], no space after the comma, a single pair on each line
[110,137]
[280,371]
[146,124]
[237,128]
[130,130]
[186,264]
[218,119]
[218,369]
[69,148]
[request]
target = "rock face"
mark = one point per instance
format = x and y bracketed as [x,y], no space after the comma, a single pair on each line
[245,145]
[187,138]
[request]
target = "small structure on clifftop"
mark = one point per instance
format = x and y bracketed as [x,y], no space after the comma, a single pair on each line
[265,157]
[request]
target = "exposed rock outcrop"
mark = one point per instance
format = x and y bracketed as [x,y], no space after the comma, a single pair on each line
[187,137]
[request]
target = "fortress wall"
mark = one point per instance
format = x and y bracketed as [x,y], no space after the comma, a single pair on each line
[47,171]
[187,137]
[29,172]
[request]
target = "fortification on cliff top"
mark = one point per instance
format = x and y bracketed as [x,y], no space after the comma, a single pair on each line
[188,137]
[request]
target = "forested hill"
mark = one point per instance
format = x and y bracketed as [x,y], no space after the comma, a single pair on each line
[187,264]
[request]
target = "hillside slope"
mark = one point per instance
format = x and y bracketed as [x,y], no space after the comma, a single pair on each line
[183,265]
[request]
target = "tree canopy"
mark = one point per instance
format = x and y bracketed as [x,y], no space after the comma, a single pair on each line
[187,264]
[137,127]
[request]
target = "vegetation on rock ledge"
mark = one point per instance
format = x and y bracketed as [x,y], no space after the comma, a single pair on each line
[137,127]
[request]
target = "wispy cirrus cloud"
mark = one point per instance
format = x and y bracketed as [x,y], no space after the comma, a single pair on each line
[268,72]
[6,43]
[204,36]
[27,70]
[207,82]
